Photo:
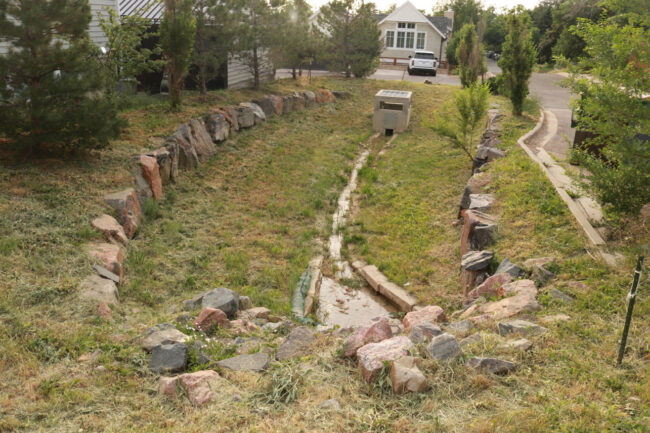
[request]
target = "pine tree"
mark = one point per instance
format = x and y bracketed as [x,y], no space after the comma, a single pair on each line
[177,32]
[517,58]
[51,86]
[252,41]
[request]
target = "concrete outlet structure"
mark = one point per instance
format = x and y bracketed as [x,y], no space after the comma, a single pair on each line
[392,111]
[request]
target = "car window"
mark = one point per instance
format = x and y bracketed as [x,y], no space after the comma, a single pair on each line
[424,56]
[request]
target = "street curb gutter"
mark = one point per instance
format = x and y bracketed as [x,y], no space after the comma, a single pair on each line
[592,234]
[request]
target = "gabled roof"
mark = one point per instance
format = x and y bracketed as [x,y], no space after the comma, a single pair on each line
[407,12]
[150,9]
[441,23]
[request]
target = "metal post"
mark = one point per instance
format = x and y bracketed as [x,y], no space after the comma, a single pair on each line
[631,297]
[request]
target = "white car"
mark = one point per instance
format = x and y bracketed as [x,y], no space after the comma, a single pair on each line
[424,61]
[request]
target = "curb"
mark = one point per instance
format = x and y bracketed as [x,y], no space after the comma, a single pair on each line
[592,234]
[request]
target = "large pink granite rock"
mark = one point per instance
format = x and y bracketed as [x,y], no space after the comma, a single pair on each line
[111,229]
[211,318]
[405,376]
[200,387]
[109,255]
[431,313]
[492,286]
[372,356]
[377,331]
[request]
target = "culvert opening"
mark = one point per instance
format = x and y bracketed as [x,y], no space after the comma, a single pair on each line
[388,132]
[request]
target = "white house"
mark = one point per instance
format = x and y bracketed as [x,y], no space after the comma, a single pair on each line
[406,29]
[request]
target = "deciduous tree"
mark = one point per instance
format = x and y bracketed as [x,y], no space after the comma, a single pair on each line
[177,33]
[470,57]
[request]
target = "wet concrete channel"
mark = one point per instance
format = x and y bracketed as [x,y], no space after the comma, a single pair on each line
[340,304]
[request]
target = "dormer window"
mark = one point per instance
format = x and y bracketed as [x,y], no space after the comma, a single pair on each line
[405,25]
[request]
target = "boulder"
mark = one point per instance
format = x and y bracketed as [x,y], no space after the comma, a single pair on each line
[232,117]
[245,117]
[297,343]
[491,287]
[99,289]
[460,327]
[245,303]
[128,211]
[338,94]
[242,326]
[507,267]
[479,231]
[171,145]
[260,116]
[476,260]
[375,332]
[324,95]
[142,187]
[405,376]
[519,326]
[254,362]
[287,104]
[168,358]
[331,404]
[109,255]
[424,332]
[371,357]
[200,387]
[217,126]
[491,365]
[203,144]
[267,105]
[164,159]
[521,344]
[521,298]
[471,340]
[223,299]
[187,156]
[494,153]
[560,296]
[111,229]
[475,185]
[256,313]
[481,202]
[163,333]
[211,318]
[310,98]
[444,347]
[431,314]
[151,173]
[298,101]
[542,275]
[105,273]
[277,102]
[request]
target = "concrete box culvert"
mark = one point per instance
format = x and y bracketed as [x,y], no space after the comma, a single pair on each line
[392,111]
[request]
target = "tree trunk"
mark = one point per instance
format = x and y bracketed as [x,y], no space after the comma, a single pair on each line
[256,68]
[202,83]
[293,72]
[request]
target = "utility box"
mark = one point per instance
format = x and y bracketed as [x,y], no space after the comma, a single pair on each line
[392,111]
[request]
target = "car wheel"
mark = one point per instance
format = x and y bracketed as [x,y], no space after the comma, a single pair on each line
[410,71]
[433,74]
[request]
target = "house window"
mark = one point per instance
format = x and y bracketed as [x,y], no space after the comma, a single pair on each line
[410,26]
[390,38]
[409,39]
[420,42]
[405,25]
[400,39]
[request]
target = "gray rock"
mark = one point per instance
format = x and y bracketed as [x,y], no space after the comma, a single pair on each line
[187,156]
[266,104]
[184,318]
[494,153]
[521,327]
[245,117]
[424,332]
[339,94]
[142,187]
[199,350]
[444,347]
[521,344]
[217,126]
[482,152]
[542,275]
[163,333]
[164,159]
[222,298]
[560,296]
[481,202]
[331,404]
[99,289]
[476,260]
[287,104]
[171,145]
[168,358]
[298,101]
[310,98]
[483,236]
[507,267]
[472,339]
[258,113]
[462,327]
[194,303]
[491,365]
[255,362]
[105,273]
[273,327]
[245,303]
[297,343]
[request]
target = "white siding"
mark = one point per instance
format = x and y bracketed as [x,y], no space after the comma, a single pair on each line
[95,32]
[239,75]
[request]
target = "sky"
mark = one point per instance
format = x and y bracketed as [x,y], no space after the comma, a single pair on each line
[427,5]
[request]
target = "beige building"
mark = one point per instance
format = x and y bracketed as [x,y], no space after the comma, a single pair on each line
[406,29]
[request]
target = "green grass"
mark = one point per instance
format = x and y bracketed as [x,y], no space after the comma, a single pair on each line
[250,219]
